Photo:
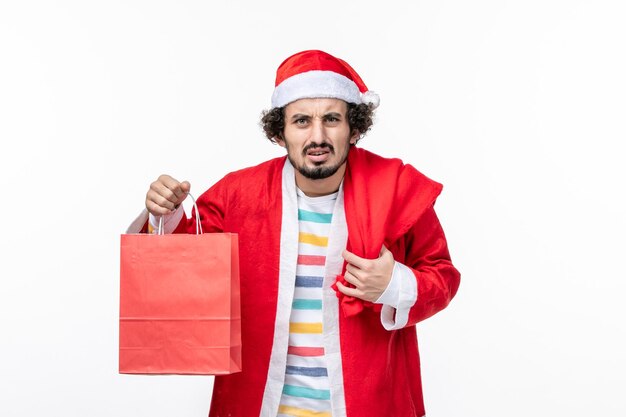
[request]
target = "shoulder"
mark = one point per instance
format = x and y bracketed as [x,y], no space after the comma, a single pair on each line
[396,193]
[259,181]
[369,162]
[375,169]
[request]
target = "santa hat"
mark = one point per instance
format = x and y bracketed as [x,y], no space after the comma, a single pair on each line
[316,74]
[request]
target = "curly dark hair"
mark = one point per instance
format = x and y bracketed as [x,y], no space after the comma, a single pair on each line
[360,118]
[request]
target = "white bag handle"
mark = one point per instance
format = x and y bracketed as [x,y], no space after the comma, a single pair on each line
[198,224]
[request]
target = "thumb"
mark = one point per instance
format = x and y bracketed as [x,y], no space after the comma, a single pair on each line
[184,187]
[383,250]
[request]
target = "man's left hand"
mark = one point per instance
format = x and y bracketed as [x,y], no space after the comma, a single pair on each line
[369,276]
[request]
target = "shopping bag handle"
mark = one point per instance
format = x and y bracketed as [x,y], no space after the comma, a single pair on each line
[198,223]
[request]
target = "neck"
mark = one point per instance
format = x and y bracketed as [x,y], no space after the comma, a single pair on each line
[318,188]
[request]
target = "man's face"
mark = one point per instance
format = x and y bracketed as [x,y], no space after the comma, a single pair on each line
[317,136]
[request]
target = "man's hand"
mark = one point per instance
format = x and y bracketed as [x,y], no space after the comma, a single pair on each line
[369,276]
[165,195]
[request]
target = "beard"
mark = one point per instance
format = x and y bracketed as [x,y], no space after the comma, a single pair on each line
[318,172]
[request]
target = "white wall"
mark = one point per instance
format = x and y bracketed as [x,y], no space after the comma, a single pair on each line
[516,106]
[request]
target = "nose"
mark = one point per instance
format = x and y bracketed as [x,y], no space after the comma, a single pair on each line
[318,132]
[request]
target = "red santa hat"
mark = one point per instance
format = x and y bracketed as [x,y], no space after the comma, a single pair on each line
[316,74]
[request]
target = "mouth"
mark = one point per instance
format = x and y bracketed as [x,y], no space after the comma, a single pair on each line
[318,155]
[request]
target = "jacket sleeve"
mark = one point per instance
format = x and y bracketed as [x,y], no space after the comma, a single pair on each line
[427,257]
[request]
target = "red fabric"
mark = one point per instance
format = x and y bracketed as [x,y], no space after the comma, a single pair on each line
[315,60]
[381,204]
[386,201]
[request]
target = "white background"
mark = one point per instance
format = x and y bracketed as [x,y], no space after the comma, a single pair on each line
[516,106]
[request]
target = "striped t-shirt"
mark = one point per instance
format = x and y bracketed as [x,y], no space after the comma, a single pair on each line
[306,392]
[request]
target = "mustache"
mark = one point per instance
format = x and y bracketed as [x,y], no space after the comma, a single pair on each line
[323,145]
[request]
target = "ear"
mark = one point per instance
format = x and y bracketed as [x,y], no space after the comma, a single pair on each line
[280,141]
[355,137]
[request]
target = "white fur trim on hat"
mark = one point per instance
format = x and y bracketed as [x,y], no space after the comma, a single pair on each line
[316,84]
[370,97]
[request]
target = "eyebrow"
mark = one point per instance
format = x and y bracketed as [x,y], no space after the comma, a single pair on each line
[306,116]
[300,116]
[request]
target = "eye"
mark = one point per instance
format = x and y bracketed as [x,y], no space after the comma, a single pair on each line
[333,120]
[302,121]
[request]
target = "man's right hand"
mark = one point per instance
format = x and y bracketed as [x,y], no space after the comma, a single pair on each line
[165,195]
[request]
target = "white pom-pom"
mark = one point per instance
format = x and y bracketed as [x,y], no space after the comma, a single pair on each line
[370,97]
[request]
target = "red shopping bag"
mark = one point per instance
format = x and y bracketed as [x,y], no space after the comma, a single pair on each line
[179,304]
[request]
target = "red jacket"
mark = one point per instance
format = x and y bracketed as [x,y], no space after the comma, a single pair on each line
[385,202]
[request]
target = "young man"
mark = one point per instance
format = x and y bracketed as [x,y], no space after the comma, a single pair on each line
[341,255]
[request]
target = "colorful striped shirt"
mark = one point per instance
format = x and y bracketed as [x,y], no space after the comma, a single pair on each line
[306,392]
